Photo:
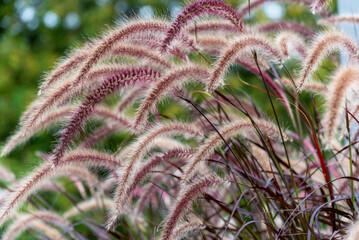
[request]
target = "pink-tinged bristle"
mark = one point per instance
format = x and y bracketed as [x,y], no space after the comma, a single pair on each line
[196,9]
[128,77]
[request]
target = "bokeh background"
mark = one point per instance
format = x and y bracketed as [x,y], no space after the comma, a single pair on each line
[35,33]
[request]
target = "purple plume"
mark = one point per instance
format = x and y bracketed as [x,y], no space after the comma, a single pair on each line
[125,78]
[195,9]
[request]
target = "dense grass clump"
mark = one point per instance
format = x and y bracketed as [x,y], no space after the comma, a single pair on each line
[257,138]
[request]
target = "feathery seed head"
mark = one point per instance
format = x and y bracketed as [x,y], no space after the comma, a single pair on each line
[126,78]
[288,40]
[246,42]
[337,89]
[195,9]
[318,6]
[323,45]
[161,87]
[185,198]
[240,126]
[39,176]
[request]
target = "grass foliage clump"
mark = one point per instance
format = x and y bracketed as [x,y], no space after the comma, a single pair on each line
[205,127]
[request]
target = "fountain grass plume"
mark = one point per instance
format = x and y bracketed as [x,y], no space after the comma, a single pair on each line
[161,87]
[240,126]
[6,175]
[288,41]
[137,150]
[180,231]
[144,169]
[183,202]
[316,87]
[132,95]
[58,115]
[215,45]
[63,93]
[34,181]
[210,26]
[79,175]
[103,47]
[212,46]
[65,66]
[252,42]
[22,136]
[126,78]
[148,191]
[280,26]
[110,40]
[352,232]
[196,9]
[24,222]
[335,96]
[79,57]
[323,45]
[88,205]
[141,53]
[319,5]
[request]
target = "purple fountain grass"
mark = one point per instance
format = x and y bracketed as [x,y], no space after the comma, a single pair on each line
[147,61]
[140,53]
[245,105]
[323,45]
[54,97]
[316,87]
[6,175]
[144,169]
[250,6]
[161,87]
[212,44]
[337,89]
[212,26]
[210,119]
[196,9]
[103,47]
[123,50]
[280,26]
[352,232]
[88,205]
[137,150]
[185,198]
[77,175]
[33,182]
[183,229]
[100,133]
[112,38]
[59,115]
[255,42]
[154,42]
[64,67]
[148,192]
[319,5]
[21,136]
[24,222]
[240,126]
[131,96]
[287,41]
[115,121]
[111,117]
[128,77]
